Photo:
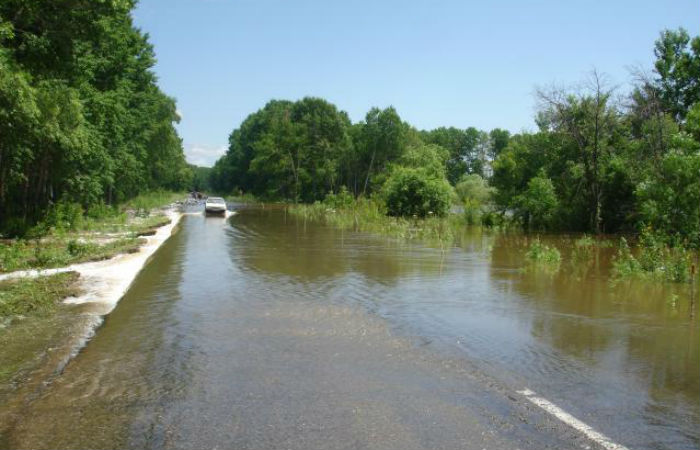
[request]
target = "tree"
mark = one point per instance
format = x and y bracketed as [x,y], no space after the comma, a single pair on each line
[538,204]
[669,195]
[678,68]
[499,141]
[590,123]
[381,140]
[82,117]
[286,150]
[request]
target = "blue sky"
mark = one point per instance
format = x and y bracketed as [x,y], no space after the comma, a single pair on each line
[440,63]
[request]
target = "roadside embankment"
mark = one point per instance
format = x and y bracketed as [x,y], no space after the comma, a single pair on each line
[104,270]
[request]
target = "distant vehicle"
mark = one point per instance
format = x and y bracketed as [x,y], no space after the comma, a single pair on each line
[215,205]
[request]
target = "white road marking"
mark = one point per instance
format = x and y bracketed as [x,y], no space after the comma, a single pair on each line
[572,421]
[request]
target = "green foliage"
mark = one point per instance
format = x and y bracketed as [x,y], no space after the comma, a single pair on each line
[654,260]
[201,179]
[539,203]
[624,263]
[678,68]
[595,165]
[64,216]
[36,296]
[538,252]
[59,252]
[369,215]
[669,197]
[584,248]
[414,192]
[287,150]
[467,149]
[82,120]
[474,194]
[343,199]
[145,203]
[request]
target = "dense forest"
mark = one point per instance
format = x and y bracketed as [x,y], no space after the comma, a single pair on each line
[82,119]
[601,160]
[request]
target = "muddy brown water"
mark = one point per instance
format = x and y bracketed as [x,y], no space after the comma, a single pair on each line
[266,331]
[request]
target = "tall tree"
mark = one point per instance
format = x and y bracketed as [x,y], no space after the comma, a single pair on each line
[590,122]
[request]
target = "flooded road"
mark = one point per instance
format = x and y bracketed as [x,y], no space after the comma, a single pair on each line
[265,331]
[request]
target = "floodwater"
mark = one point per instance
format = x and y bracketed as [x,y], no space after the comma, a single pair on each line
[266,331]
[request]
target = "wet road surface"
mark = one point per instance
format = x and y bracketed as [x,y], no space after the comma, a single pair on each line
[263,331]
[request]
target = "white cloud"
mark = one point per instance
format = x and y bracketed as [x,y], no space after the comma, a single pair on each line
[204,155]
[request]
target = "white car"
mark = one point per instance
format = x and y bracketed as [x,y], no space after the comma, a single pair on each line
[215,205]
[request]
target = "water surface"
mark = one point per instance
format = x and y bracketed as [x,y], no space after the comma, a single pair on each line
[267,331]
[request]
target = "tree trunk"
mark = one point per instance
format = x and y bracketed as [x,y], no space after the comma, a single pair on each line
[369,171]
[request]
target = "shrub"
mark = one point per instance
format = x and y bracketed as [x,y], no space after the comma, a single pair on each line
[624,263]
[413,192]
[654,260]
[63,216]
[538,204]
[541,253]
[343,199]
[583,248]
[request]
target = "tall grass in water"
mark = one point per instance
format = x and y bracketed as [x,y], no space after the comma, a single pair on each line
[369,215]
[540,253]
[653,259]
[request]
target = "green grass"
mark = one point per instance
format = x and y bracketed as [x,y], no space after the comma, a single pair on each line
[60,252]
[369,216]
[35,296]
[242,198]
[69,235]
[144,204]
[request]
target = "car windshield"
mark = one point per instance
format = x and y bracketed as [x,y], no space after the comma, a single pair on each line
[216,200]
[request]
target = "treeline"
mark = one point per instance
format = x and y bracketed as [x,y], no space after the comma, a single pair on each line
[82,119]
[600,161]
[303,150]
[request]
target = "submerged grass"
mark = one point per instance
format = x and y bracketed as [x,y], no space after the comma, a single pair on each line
[539,253]
[369,216]
[653,260]
[36,296]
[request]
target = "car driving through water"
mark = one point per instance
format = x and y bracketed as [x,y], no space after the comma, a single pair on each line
[215,205]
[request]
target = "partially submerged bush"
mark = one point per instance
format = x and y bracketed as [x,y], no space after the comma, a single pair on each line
[583,248]
[413,192]
[654,259]
[541,253]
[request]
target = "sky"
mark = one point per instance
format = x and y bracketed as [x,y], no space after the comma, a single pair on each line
[439,63]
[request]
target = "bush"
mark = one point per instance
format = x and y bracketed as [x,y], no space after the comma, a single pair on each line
[101,211]
[541,253]
[654,260]
[538,204]
[343,199]
[413,192]
[583,248]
